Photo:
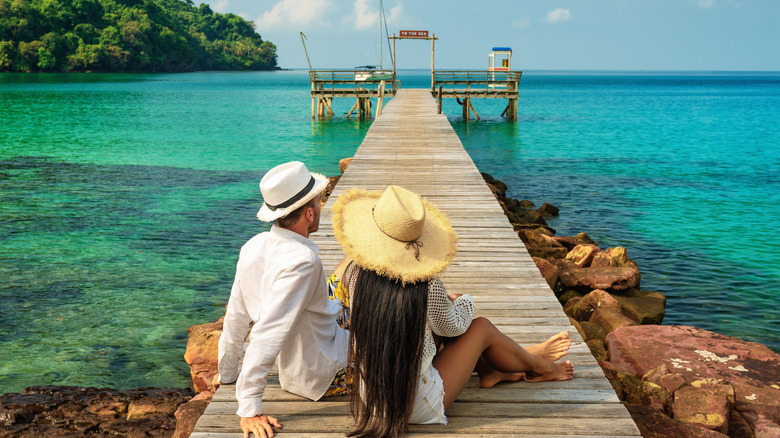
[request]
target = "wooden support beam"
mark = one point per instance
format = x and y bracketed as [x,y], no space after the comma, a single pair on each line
[352,109]
[471,105]
[466,103]
[327,103]
[381,98]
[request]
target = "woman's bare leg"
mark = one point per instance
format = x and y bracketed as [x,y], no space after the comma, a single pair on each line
[457,360]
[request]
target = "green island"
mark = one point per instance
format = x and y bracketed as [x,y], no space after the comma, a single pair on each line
[126,36]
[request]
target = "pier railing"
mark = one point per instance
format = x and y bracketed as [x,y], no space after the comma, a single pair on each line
[495,83]
[351,82]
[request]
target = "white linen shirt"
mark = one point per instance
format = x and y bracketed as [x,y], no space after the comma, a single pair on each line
[280,286]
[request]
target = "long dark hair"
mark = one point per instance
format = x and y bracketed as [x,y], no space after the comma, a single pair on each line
[387,329]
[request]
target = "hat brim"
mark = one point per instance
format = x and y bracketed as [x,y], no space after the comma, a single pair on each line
[368,246]
[265,214]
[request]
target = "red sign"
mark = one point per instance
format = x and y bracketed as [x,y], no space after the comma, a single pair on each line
[414,34]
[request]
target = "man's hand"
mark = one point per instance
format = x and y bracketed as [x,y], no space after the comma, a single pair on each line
[260,426]
[454,297]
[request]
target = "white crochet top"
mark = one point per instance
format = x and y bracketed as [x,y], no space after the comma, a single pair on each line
[445,317]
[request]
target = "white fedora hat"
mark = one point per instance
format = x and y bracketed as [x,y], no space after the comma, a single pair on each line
[287,187]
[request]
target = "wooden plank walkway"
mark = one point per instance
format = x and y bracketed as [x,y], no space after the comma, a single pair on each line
[411,146]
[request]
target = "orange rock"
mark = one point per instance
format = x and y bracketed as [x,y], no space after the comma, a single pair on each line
[582,255]
[344,163]
[703,407]
[202,354]
[548,271]
[597,299]
[610,320]
[188,413]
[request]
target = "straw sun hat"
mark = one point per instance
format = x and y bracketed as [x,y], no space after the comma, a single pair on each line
[395,233]
[287,187]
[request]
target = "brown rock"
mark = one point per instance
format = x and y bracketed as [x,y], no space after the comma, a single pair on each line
[537,238]
[577,326]
[188,413]
[569,294]
[154,404]
[664,378]
[619,256]
[582,255]
[344,163]
[508,213]
[609,279]
[533,217]
[696,354]
[585,238]
[703,407]
[610,320]
[654,424]
[597,299]
[568,307]
[201,354]
[571,242]
[598,349]
[548,210]
[644,307]
[548,271]
[548,253]
[593,331]
[527,204]
[602,260]
[332,181]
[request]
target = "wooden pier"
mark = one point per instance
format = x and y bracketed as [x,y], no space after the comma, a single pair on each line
[412,146]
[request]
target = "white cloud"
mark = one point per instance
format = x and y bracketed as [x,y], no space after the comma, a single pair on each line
[292,12]
[519,24]
[558,15]
[220,6]
[366,14]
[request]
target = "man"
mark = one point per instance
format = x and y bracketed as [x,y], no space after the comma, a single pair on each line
[280,287]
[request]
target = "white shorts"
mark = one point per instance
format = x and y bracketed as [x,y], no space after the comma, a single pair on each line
[429,404]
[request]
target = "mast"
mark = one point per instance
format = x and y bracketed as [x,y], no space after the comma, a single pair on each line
[380,35]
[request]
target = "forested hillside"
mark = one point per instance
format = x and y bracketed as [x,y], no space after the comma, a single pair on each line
[126,36]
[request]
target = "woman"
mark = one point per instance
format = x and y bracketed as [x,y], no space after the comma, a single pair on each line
[398,244]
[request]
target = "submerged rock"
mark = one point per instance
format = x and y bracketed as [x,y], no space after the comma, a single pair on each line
[65,411]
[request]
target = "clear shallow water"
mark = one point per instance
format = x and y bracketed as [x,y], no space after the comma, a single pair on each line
[125,198]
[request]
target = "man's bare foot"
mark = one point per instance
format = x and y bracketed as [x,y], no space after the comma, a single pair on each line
[493,377]
[560,371]
[552,349]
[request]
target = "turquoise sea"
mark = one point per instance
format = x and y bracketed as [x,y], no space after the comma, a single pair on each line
[124,198]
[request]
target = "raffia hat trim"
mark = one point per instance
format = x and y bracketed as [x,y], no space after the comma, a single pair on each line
[396,233]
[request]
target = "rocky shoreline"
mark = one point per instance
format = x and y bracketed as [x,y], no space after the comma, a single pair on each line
[676,381]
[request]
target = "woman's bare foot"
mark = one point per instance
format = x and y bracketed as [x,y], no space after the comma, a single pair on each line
[552,349]
[560,371]
[491,378]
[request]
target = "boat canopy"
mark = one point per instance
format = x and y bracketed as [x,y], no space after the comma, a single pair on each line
[502,49]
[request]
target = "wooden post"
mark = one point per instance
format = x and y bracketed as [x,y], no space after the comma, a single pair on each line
[361,109]
[433,42]
[438,99]
[320,107]
[466,103]
[393,58]
[313,104]
[381,98]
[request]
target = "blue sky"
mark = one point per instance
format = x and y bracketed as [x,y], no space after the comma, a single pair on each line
[544,34]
